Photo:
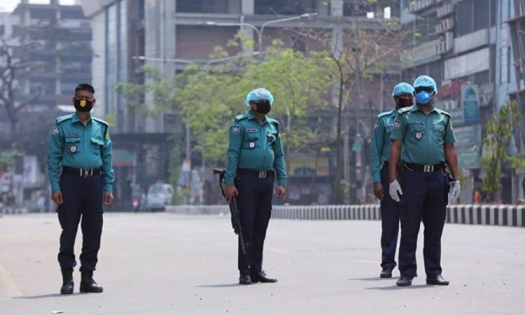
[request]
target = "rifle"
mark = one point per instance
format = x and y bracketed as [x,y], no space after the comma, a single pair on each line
[234,210]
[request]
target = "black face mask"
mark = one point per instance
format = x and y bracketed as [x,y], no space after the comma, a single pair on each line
[83,105]
[263,107]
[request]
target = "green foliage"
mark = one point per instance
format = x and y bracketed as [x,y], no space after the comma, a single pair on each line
[158,87]
[6,159]
[498,133]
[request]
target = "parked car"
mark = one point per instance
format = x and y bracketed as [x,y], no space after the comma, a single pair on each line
[158,196]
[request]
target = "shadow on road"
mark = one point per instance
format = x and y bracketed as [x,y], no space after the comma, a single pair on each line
[395,287]
[42,296]
[219,285]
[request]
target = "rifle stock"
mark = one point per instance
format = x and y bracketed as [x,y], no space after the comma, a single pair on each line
[234,210]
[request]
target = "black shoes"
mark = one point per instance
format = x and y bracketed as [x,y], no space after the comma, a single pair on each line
[438,280]
[88,285]
[386,273]
[404,281]
[255,277]
[262,277]
[245,279]
[67,281]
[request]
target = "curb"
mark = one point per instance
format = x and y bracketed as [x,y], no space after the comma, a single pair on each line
[501,215]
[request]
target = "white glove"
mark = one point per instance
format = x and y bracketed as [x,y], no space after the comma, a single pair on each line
[455,190]
[394,190]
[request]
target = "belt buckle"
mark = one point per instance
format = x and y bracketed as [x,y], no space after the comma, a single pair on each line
[428,168]
[262,174]
[87,172]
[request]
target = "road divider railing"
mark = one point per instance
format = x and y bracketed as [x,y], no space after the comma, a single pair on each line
[502,215]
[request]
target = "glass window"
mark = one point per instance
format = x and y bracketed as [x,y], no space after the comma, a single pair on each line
[481,16]
[464,22]
[46,86]
[72,13]
[43,13]
[202,6]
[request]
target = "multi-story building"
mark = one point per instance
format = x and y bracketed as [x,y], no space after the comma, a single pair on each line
[168,34]
[53,41]
[465,46]
[60,38]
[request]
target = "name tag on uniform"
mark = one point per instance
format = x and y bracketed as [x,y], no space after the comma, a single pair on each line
[251,129]
[72,135]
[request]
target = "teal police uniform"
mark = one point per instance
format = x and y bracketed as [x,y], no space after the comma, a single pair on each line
[79,165]
[381,142]
[381,145]
[424,184]
[255,147]
[423,136]
[255,160]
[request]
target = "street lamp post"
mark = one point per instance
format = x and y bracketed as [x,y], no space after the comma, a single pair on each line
[259,31]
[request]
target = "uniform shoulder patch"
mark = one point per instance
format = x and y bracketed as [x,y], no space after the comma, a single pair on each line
[235,129]
[100,121]
[64,118]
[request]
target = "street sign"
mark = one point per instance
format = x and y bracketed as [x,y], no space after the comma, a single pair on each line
[467,135]
[468,157]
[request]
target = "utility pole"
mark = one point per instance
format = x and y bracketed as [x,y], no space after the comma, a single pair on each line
[356,183]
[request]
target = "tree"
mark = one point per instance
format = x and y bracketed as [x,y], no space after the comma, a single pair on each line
[6,159]
[499,131]
[208,100]
[13,71]
[351,55]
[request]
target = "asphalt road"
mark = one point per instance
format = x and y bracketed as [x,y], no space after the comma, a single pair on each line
[163,263]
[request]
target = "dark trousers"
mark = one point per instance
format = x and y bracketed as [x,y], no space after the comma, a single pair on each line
[424,199]
[83,198]
[255,205]
[390,211]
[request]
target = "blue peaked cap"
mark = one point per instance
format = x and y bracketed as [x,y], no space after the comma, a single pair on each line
[403,88]
[425,81]
[259,94]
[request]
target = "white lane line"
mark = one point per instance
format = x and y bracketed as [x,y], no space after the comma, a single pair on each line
[10,284]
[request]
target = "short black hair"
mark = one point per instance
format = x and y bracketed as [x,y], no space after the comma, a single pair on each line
[85,87]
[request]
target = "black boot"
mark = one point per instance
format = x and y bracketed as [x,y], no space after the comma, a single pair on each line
[88,285]
[67,281]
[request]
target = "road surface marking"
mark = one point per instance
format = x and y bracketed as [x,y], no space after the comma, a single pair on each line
[10,284]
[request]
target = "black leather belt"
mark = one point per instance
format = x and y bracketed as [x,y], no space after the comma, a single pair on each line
[425,168]
[81,172]
[254,173]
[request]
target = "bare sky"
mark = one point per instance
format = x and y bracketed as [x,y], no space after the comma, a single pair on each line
[10,5]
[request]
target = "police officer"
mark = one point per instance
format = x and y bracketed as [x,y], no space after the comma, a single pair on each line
[81,177]
[403,94]
[255,159]
[425,133]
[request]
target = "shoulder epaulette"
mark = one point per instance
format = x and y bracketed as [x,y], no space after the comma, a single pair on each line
[442,112]
[241,117]
[273,121]
[403,110]
[384,114]
[100,121]
[63,118]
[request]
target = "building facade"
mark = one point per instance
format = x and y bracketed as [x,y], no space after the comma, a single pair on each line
[465,46]
[167,35]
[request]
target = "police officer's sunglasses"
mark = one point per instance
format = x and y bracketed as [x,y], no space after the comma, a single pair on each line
[424,88]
